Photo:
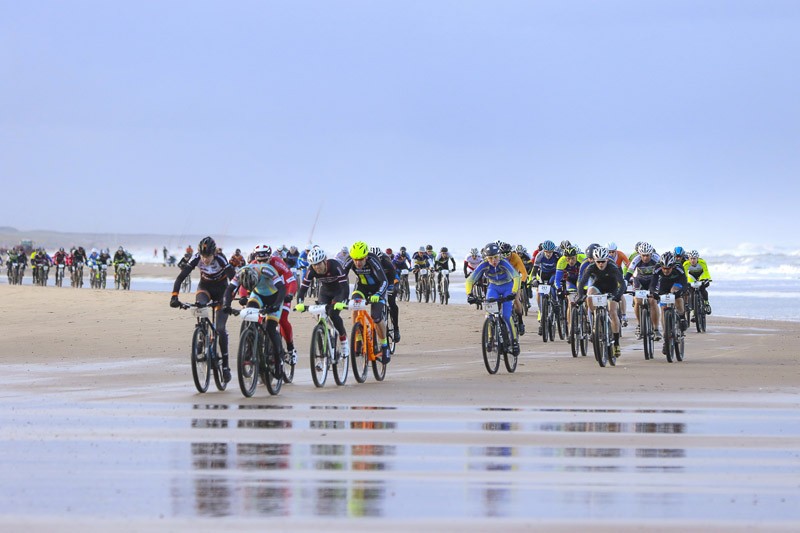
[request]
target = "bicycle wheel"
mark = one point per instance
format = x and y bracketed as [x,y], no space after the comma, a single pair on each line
[216,366]
[585,330]
[669,334]
[545,322]
[274,366]
[341,365]
[319,356]
[200,367]
[612,359]
[490,346]
[247,362]
[406,289]
[679,345]
[358,352]
[701,320]
[574,333]
[509,359]
[419,289]
[288,367]
[600,338]
[646,330]
[378,366]
[390,334]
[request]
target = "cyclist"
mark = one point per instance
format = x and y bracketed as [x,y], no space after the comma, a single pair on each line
[237,259]
[607,279]
[512,257]
[445,261]
[333,288]
[471,262]
[393,278]
[669,278]
[641,272]
[215,271]
[262,254]
[266,291]
[292,255]
[121,256]
[401,260]
[421,260]
[372,283]
[503,279]
[544,268]
[344,255]
[697,270]
[681,255]
[567,274]
[619,258]
[431,254]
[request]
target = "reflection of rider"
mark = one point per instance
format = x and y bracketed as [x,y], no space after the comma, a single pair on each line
[215,271]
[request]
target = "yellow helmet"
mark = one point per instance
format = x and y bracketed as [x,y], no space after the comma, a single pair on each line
[359,250]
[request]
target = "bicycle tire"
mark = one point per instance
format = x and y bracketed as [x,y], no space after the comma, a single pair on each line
[669,333]
[509,359]
[490,346]
[646,331]
[390,333]
[699,313]
[551,322]
[358,353]
[679,347]
[341,365]
[601,353]
[545,317]
[574,332]
[561,319]
[214,356]
[247,362]
[418,289]
[586,328]
[319,361]
[274,366]
[200,367]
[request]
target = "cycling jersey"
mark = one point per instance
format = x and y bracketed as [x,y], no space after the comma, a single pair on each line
[444,263]
[270,281]
[371,279]
[219,269]
[566,272]
[517,263]
[544,266]
[237,260]
[606,280]
[334,279]
[285,272]
[696,273]
[641,270]
[662,283]
[496,275]
[471,263]
[421,260]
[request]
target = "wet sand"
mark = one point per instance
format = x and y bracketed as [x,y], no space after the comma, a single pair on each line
[102,427]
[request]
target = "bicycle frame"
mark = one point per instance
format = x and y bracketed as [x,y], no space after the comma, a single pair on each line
[362,319]
[603,340]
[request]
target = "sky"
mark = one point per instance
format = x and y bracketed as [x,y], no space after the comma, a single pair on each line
[444,122]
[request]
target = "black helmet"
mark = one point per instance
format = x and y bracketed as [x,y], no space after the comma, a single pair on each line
[491,249]
[207,246]
[505,248]
[443,250]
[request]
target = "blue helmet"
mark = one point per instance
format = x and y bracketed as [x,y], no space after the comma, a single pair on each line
[548,246]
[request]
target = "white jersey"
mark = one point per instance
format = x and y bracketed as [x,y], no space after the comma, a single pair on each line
[472,262]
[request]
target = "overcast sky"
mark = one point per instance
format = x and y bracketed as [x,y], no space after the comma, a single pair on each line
[443,122]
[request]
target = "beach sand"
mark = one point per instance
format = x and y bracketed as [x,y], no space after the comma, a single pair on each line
[114,350]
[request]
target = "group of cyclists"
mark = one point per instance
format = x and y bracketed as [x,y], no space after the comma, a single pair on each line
[65,263]
[600,269]
[279,281]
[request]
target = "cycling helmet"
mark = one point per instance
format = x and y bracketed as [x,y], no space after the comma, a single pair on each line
[473,252]
[679,250]
[376,250]
[293,248]
[345,250]
[491,249]
[694,254]
[668,259]
[61,249]
[422,249]
[402,249]
[638,244]
[590,249]
[443,250]
[389,252]
[248,278]
[505,248]
[612,246]
[646,248]
[207,246]
[429,248]
[548,246]
[359,250]
[570,252]
[262,252]
[565,244]
[120,249]
[521,249]
[238,251]
[600,253]
[316,255]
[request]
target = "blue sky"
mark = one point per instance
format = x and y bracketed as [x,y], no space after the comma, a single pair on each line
[444,122]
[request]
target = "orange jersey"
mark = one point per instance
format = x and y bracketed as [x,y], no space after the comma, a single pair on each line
[620,257]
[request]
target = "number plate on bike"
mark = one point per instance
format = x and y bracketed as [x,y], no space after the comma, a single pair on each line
[200,312]
[357,305]
[599,300]
[318,310]
[491,307]
[249,314]
[445,272]
[404,272]
[642,293]
[423,271]
[668,299]
[572,297]
[543,289]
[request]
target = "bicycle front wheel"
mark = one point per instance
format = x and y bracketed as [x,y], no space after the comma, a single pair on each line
[490,347]
[509,359]
[319,357]
[274,367]
[545,322]
[600,338]
[574,332]
[247,362]
[216,366]
[341,365]
[200,367]
[646,330]
[358,352]
[669,334]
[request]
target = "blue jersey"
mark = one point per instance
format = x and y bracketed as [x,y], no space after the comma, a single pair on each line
[496,275]
[269,281]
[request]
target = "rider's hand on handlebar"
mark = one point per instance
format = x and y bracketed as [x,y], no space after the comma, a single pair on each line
[243,301]
[174,302]
[227,309]
[300,308]
[472,299]
[339,306]
[272,308]
[375,298]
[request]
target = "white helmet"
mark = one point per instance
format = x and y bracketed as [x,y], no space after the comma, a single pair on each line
[600,253]
[646,249]
[316,255]
[612,246]
[262,251]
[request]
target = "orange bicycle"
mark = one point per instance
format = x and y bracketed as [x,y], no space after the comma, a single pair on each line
[364,347]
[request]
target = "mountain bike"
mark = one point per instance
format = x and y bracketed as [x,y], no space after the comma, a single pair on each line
[204,347]
[602,340]
[257,356]
[673,336]
[432,284]
[15,273]
[404,291]
[325,350]
[496,340]
[559,305]
[525,298]
[364,348]
[42,273]
[645,323]
[579,330]
[421,287]
[60,267]
[695,302]
[444,286]
[76,276]
[548,320]
[123,277]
